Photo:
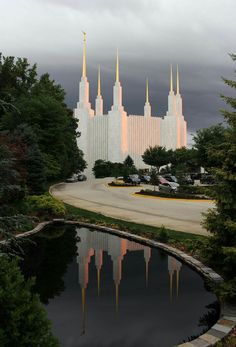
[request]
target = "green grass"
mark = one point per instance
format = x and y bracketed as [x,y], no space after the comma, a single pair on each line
[135,228]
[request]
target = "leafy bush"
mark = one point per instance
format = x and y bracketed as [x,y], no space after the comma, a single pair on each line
[170,195]
[189,189]
[226,291]
[45,206]
[23,319]
[120,184]
[163,235]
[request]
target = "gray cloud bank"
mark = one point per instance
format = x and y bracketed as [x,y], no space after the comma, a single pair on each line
[150,34]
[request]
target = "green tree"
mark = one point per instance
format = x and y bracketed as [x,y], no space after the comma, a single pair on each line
[23,320]
[39,102]
[221,221]
[156,156]
[33,160]
[11,190]
[128,161]
[207,141]
[184,160]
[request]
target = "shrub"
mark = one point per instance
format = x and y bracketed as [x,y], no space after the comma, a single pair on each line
[163,235]
[170,195]
[45,205]
[23,319]
[189,189]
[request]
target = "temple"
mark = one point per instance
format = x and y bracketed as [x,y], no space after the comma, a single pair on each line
[115,135]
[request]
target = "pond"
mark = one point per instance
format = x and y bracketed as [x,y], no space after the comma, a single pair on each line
[101,290]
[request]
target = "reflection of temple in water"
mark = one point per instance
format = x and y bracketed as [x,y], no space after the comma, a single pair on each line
[94,243]
[174,267]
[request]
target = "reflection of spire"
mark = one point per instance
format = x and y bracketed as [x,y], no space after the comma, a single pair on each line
[177,81]
[147,256]
[84,56]
[98,263]
[177,283]
[117,67]
[83,309]
[117,297]
[98,276]
[171,286]
[146,274]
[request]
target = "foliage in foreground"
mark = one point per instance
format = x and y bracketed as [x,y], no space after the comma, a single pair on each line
[44,206]
[23,320]
[221,221]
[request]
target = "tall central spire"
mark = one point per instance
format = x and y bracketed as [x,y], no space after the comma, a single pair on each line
[147,106]
[99,82]
[117,67]
[171,79]
[84,56]
[177,80]
[147,91]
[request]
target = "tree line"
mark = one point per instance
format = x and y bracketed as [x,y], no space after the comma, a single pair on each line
[37,132]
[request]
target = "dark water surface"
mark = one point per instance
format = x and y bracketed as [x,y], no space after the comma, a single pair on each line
[104,291]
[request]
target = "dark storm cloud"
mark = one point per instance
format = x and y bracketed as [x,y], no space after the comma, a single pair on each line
[150,34]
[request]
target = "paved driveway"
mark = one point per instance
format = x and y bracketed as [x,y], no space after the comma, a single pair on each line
[95,195]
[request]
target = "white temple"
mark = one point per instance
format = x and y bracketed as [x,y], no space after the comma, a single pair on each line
[115,135]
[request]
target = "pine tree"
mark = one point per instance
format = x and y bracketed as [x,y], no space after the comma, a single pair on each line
[221,221]
[23,320]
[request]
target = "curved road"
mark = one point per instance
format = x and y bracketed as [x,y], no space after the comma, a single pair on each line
[95,195]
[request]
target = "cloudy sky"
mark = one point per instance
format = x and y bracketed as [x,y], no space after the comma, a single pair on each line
[150,34]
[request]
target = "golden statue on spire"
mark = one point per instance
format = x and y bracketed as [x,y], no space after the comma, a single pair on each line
[84,55]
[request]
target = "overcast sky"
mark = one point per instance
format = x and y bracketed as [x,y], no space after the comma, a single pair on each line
[150,34]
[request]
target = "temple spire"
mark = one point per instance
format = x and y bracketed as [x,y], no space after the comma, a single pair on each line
[84,56]
[99,82]
[171,79]
[147,91]
[117,67]
[177,79]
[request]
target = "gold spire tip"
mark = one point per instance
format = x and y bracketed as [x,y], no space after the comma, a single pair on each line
[171,79]
[147,91]
[99,81]
[84,55]
[177,79]
[117,67]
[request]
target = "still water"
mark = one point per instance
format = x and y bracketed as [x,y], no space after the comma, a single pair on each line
[101,290]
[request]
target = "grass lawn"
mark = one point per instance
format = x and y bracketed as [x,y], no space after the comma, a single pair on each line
[139,229]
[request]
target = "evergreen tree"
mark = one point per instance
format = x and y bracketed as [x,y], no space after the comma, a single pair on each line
[23,320]
[35,177]
[128,161]
[221,221]
[206,141]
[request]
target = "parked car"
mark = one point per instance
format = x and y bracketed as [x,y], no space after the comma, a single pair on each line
[170,178]
[168,187]
[133,179]
[186,179]
[72,179]
[145,178]
[81,177]
[207,179]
